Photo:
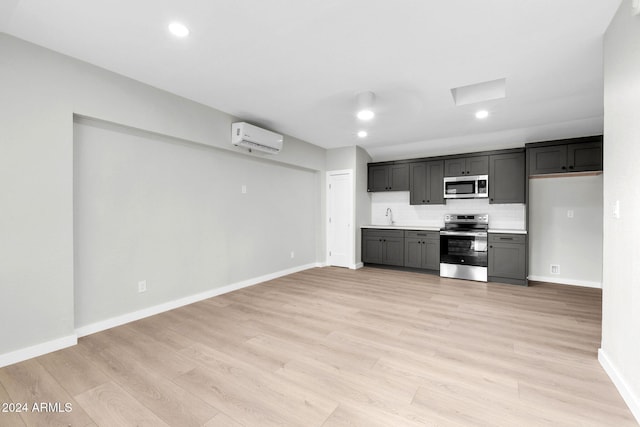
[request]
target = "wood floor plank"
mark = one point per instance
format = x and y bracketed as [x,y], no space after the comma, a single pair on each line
[29,383]
[281,399]
[11,417]
[165,399]
[110,405]
[75,373]
[339,347]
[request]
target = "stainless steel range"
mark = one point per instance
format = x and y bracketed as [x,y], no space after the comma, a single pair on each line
[463,247]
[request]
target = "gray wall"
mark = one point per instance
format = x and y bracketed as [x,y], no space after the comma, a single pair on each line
[363,198]
[173,213]
[41,90]
[575,244]
[621,272]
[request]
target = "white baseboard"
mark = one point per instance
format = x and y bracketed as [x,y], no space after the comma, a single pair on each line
[572,282]
[12,357]
[152,311]
[631,399]
[357,266]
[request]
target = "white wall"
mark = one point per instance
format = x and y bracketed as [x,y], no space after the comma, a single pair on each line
[510,216]
[575,244]
[41,90]
[173,213]
[620,352]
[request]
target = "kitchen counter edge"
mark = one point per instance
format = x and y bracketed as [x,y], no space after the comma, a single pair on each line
[402,227]
[506,231]
[432,228]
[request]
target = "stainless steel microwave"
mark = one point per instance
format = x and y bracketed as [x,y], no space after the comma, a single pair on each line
[466,187]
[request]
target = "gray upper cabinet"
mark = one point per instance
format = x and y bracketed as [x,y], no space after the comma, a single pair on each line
[586,156]
[507,178]
[552,159]
[460,166]
[562,156]
[426,183]
[388,177]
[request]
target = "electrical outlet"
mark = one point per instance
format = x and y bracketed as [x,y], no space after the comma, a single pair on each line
[570,213]
[555,269]
[142,286]
[293,255]
[243,189]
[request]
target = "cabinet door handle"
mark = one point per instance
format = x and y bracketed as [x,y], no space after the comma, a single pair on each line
[428,201]
[570,167]
[564,168]
[506,238]
[490,246]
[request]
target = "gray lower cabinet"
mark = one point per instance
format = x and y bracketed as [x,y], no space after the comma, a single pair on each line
[508,258]
[422,249]
[507,178]
[382,246]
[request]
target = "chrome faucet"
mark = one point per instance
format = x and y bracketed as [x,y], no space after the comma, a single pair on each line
[389,215]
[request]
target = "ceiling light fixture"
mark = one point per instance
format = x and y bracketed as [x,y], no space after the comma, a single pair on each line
[365,105]
[178,29]
[482,114]
[362,134]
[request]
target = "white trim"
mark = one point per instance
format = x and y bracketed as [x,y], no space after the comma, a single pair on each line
[572,282]
[631,399]
[151,311]
[357,266]
[12,357]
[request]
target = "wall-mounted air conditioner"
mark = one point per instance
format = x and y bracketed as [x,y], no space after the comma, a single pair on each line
[254,138]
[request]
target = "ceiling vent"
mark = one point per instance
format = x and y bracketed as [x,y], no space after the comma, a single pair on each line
[479,92]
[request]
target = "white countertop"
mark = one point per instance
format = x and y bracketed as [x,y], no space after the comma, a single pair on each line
[507,231]
[433,228]
[404,227]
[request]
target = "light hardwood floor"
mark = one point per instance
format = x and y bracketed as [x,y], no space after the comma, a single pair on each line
[335,347]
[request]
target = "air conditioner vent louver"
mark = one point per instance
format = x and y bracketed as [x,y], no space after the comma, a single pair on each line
[249,136]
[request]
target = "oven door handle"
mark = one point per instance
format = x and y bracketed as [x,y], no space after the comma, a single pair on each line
[464,233]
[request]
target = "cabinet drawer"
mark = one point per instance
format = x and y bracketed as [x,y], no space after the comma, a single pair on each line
[379,232]
[422,234]
[507,238]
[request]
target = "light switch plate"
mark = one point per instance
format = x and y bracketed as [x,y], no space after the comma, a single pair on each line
[616,209]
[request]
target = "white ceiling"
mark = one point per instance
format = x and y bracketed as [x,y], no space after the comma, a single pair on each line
[297,66]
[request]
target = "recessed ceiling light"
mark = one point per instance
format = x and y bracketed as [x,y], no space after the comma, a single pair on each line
[178,29]
[362,134]
[365,114]
[482,114]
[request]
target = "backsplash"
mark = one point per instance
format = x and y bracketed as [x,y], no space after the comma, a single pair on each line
[510,216]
